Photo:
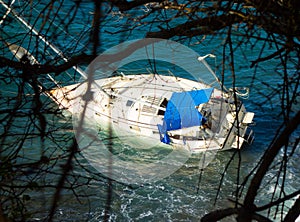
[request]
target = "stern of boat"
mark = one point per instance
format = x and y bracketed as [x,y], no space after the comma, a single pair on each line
[240,132]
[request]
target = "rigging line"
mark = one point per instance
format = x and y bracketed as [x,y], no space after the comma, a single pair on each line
[154,71]
[7,12]
[53,47]
[60,53]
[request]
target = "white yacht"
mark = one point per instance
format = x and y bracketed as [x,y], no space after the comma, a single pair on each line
[163,109]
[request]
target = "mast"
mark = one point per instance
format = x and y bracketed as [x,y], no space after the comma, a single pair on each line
[60,53]
[52,46]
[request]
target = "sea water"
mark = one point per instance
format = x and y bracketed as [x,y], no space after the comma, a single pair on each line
[190,192]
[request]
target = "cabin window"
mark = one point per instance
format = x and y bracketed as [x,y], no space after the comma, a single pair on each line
[163,104]
[161,112]
[129,103]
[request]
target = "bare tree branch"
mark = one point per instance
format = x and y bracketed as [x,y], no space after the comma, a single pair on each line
[267,160]
[294,212]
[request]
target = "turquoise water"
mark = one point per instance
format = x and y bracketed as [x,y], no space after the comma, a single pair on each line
[187,194]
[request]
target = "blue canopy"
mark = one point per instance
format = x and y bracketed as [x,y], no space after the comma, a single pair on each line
[182,112]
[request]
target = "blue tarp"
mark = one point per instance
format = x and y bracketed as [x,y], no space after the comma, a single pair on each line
[181,111]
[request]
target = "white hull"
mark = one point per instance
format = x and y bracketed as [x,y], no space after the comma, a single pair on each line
[136,106]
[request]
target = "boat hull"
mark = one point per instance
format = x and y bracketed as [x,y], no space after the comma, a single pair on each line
[134,107]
